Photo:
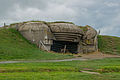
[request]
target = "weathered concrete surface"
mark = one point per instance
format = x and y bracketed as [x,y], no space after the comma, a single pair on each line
[65,28]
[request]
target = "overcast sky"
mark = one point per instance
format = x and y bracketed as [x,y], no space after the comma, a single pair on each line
[103,15]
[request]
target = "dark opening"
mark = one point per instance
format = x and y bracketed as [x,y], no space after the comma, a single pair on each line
[64,47]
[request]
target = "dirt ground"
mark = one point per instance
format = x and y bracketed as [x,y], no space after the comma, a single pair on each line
[98,55]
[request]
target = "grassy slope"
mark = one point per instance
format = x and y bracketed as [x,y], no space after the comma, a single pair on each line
[109,44]
[14,46]
[60,70]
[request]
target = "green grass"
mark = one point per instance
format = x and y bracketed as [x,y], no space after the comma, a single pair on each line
[14,47]
[56,76]
[59,70]
[70,66]
[109,44]
[110,69]
[49,76]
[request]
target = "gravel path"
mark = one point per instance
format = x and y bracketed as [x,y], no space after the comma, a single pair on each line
[84,57]
[81,59]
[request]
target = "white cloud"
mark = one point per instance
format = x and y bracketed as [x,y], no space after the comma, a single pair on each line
[80,3]
[54,11]
[113,28]
[112,4]
[100,14]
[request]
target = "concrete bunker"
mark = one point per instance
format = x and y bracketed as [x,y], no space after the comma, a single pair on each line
[60,37]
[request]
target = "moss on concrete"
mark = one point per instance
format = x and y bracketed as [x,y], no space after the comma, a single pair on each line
[60,22]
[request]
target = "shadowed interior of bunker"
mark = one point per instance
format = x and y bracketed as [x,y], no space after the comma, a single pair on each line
[64,46]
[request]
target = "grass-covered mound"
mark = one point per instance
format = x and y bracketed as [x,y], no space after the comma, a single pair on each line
[14,46]
[109,44]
